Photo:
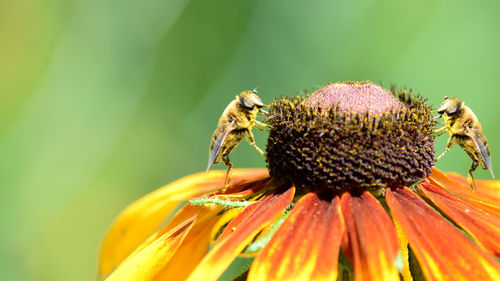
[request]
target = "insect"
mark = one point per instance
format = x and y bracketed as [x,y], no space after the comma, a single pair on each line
[235,123]
[464,129]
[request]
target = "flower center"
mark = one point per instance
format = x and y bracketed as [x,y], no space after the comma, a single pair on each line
[359,97]
[351,135]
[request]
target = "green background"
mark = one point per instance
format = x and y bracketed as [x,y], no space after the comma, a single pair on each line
[103,101]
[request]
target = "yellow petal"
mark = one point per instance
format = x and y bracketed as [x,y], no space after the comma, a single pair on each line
[140,219]
[146,263]
[403,242]
[196,244]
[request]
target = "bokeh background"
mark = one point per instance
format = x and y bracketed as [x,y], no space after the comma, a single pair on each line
[104,101]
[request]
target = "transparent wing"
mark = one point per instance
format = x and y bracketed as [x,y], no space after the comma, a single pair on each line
[219,142]
[483,151]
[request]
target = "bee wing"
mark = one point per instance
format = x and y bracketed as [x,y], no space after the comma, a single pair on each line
[218,143]
[483,151]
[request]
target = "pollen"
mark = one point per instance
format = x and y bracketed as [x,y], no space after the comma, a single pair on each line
[351,135]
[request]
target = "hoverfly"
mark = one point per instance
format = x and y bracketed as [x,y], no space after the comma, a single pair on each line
[235,123]
[465,130]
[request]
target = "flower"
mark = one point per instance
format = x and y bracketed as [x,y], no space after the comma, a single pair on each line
[350,189]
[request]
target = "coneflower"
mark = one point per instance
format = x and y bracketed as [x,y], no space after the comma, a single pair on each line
[350,193]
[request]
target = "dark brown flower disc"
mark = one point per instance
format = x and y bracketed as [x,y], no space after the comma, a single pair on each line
[351,135]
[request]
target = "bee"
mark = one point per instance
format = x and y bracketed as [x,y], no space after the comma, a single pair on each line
[464,129]
[235,123]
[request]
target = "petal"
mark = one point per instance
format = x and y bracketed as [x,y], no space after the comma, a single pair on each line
[146,263]
[405,257]
[140,219]
[482,224]
[372,238]
[238,234]
[487,187]
[306,245]
[442,251]
[479,198]
[196,243]
[180,218]
[248,188]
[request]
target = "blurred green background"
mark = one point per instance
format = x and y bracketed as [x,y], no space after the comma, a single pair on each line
[103,101]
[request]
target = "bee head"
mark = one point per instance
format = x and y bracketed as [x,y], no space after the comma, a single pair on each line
[450,106]
[250,100]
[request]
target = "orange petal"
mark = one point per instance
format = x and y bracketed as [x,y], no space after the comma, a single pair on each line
[489,187]
[146,263]
[441,250]
[140,219]
[372,238]
[486,187]
[480,198]
[306,245]
[240,232]
[481,224]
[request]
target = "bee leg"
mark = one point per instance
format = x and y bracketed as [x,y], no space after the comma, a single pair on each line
[229,172]
[470,178]
[251,140]
[439,131]
[265,112]
[262,128]
[262,124]
[449,145]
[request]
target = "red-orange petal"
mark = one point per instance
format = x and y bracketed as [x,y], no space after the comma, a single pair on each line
[147,262]
[372,238]
[483,199]
[482,224]
[306,245]
[140,219]
[441,250]
[248,188]
[240,232]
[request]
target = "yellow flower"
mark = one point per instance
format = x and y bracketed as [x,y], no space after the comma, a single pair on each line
[354,181]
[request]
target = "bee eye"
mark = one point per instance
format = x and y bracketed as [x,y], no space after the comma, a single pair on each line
[257,101]
[455,109]
[247,103]
[250,100]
